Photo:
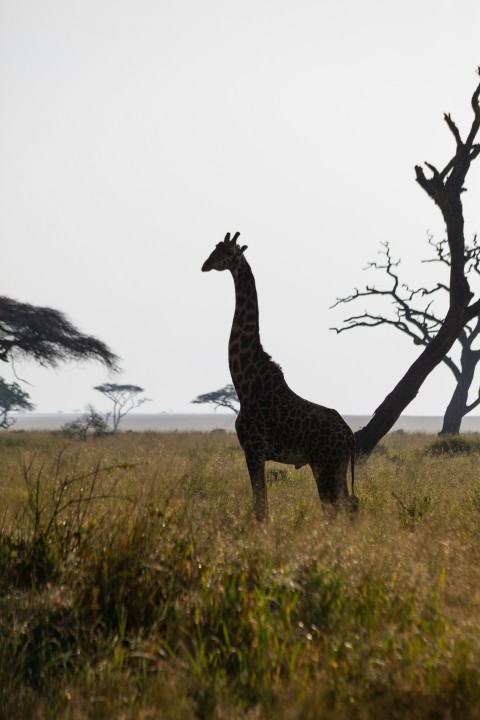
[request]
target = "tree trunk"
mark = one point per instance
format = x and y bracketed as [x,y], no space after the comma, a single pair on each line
[386,415]
[458,406]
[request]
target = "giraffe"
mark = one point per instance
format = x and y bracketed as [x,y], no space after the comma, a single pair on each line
[274,423]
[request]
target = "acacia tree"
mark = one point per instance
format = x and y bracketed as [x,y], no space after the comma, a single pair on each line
[445,188]
[47,336]
[124,399]
[225,397]
[415,317]
[12,399]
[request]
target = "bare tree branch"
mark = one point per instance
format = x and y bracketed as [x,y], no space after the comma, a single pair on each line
[419,323]
[455,131]
[472,406]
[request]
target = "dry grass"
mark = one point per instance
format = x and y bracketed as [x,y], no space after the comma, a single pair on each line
[134,583]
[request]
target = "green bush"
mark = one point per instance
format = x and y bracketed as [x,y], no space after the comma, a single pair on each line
[453,445]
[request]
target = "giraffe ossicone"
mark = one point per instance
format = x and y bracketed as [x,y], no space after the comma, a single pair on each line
[274,423]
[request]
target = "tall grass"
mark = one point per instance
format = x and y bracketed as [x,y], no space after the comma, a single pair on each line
[134,583]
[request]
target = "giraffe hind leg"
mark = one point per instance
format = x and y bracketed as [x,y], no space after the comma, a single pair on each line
[256,470]
[332,486]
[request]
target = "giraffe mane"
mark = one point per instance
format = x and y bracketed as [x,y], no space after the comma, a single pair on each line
[273,362]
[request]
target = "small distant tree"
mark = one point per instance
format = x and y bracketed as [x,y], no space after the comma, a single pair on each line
[225,397]
[124,399]
[92,423]
[12,399]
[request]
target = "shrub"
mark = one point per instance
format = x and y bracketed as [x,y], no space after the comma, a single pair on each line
[453,445]
[92,423]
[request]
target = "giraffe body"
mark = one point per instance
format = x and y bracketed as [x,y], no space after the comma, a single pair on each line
[274,423]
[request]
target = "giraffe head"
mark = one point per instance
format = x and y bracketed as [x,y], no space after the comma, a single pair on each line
[226,256]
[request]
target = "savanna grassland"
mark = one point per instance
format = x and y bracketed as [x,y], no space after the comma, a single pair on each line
[134,583]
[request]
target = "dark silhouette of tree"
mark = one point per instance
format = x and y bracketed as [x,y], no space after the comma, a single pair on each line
[225,397]
[46,335]
[445,188]
[414,316]
[124,399]
[12,399]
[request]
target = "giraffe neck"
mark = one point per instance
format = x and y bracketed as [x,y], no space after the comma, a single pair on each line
[245,351]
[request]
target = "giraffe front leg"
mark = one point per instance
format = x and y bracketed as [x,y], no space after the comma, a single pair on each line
[256,470]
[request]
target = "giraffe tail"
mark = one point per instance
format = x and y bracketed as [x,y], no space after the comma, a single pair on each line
[352,470]
[352,467]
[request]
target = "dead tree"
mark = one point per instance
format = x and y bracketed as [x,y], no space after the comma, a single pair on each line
[414,316]
[445,188]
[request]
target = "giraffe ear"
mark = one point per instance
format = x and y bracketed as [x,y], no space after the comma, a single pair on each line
[243,248]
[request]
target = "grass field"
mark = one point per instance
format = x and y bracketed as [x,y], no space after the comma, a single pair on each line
[134,583]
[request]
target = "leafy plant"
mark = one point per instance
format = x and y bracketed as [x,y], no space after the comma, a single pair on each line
[453,445]
[56,518]
[413,507]
[91,423]
[12,399]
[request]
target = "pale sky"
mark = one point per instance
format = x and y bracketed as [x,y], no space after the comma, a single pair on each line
[134,134]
